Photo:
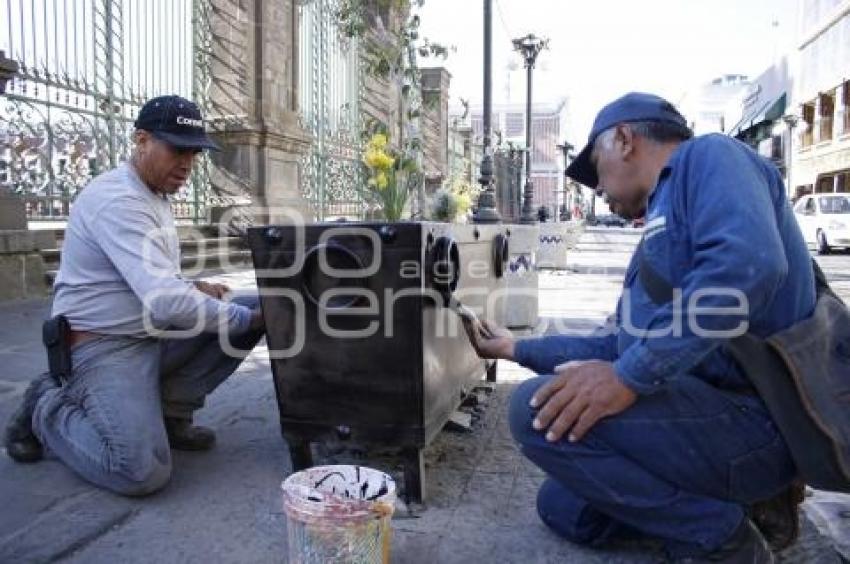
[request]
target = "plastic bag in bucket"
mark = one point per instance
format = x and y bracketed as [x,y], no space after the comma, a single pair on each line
[338,513]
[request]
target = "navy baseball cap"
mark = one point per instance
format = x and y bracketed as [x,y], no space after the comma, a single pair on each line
[634,106]
[175,120]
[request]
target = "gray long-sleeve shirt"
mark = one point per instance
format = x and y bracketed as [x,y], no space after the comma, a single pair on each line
[121,265]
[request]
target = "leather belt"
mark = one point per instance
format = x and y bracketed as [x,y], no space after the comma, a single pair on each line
[77,337]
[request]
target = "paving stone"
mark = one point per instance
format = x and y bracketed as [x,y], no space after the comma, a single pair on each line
[67,526]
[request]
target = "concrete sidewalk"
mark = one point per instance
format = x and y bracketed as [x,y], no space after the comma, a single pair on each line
[225,506]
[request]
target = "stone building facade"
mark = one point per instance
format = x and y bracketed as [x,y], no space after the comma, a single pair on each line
[822,99]
[253,101]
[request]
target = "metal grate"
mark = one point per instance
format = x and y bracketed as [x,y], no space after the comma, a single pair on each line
[85,68]
[329,100]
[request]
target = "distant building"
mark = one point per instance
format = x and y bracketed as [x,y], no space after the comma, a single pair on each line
[463,153]
[434,124]
[704,107]
[548,128]
[821,160]
[760,117]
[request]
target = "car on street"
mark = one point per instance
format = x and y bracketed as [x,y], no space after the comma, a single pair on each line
[608,220]
[824,220]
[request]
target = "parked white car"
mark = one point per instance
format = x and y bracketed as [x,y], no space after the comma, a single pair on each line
[824,220]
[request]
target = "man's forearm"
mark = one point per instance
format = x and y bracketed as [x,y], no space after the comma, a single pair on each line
[543,354]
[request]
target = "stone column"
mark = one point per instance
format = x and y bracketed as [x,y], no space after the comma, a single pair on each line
[254,105]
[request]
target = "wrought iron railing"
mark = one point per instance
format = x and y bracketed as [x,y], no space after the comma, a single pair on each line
[85,69]
[331,85]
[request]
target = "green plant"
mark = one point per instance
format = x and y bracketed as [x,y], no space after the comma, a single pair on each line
[390,177]
[444,205]
[391,51]
[449,204]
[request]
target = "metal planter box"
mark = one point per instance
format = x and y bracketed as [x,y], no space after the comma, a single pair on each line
[362,341]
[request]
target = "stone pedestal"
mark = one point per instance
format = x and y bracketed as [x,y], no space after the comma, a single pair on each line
[13,214]
[556,240]
[521,309]
[21,265]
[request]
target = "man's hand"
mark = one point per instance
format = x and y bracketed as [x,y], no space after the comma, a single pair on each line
[489,340]
[212,289]
[580,394]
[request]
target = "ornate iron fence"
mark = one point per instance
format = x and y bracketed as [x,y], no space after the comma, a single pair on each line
[331,84]
[85,68]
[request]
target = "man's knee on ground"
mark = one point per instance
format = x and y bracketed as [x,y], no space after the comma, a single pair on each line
[520,413]
[144,469]
[152,483]
[140,482]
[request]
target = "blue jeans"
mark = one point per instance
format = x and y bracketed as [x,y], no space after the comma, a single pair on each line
[106,423]
[678,464]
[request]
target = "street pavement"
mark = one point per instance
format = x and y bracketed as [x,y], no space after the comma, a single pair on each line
[225,505]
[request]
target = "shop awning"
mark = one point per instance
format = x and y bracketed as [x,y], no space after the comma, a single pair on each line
[769,111]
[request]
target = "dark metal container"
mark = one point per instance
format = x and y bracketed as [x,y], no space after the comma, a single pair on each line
[363,337]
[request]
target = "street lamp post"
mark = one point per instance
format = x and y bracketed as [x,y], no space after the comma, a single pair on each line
[565,148]
[529,47]
[486,211]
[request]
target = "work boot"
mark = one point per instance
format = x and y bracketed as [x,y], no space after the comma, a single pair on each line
[182,435]
[746,546]
[21,443]
[778,518]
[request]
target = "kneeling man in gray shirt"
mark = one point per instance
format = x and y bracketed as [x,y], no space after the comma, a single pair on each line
[147,346]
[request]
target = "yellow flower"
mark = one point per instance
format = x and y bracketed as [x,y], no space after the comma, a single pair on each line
[381,180]
[371,158]
[464,202]
[378,160]
[386,162]
[378,141]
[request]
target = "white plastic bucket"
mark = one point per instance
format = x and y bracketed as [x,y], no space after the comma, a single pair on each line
[338,513]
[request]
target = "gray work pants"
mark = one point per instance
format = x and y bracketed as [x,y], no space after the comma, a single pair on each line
[106,422]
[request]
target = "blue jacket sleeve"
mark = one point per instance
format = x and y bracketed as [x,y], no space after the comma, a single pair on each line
[543,354]
[738,264]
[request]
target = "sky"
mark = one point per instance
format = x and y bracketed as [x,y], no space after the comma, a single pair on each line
[600,49]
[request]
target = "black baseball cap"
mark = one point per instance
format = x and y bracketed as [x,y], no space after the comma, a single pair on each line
[634,106]
[175,120]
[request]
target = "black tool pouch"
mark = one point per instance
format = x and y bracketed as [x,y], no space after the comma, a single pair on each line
[56,335]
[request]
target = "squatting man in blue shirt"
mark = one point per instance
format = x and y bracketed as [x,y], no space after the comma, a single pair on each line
[648,425]
[132,391]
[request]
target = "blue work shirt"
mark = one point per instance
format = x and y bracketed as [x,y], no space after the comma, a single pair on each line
[719,228]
